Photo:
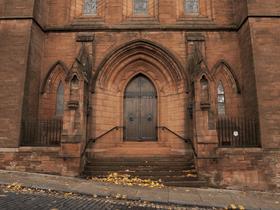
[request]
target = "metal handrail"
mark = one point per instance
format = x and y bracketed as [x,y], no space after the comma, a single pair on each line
[93,140]
[188,140]
[117,128]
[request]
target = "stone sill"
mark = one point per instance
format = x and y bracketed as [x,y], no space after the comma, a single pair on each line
[234,149]
[40,149]
[9,150]
[30,149]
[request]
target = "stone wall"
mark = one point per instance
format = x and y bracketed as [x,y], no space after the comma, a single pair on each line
[248,168]
[266,48]
[15,39]
[38,160]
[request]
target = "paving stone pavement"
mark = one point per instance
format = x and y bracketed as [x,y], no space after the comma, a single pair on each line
[190,197]
[22,200]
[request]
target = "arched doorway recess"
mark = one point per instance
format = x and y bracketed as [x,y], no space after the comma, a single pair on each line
[111,80]
[140,110]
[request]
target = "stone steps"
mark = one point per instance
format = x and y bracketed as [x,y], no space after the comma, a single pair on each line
[173,171]
[139,149]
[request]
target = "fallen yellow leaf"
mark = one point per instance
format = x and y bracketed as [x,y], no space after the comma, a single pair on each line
[276,202]
[3,195]
[14,184]
[233,206]
[241,207]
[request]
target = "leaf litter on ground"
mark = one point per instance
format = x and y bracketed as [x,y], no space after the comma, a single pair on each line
[126,179]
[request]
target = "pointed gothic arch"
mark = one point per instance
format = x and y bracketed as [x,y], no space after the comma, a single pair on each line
[223,67]
[51,90]
[139,50]
[54,71]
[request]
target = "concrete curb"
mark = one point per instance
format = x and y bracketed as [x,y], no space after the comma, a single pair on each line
[131,198]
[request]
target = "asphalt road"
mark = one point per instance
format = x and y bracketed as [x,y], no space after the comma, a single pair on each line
[12,199]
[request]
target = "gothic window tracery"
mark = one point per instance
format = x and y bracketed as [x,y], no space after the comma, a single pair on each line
[59,99]
[140,7]
[191,6]
[221,99]
[90,7]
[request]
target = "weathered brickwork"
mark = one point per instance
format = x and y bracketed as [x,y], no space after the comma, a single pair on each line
[248,75]
[38,160]
[251,168]
[265,48]
[240,9]
[14,36]
[47,42]
[32,77]
[16,8]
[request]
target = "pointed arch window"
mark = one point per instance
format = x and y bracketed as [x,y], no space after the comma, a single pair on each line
[191,7]
[221,99]
[59,99]
[140,7]
[90,7]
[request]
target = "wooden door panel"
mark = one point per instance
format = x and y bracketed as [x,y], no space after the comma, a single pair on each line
[132,118]
[149,118]
[140,110]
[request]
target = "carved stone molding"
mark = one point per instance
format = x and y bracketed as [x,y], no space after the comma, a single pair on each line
[205,105]
[85,37]
[73,105]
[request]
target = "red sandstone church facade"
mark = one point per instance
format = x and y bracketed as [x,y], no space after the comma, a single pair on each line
[208,70]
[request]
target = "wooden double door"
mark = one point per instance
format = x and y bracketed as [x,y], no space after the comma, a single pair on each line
[140,110]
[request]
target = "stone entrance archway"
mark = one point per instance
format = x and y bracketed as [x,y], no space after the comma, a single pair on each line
[113,76]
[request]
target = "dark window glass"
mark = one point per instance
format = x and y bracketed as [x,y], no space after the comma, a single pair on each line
[191,7]
[59,99]
[140,7]
[90,7]
[221,99]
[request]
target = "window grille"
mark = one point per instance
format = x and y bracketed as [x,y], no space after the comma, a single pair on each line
[221,99]
[191,7]
[90,7]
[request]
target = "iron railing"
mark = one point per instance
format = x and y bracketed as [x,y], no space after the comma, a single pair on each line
[94,140]
[41,132]
[191,143]
[184,139]
[241,132]
[91,140]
